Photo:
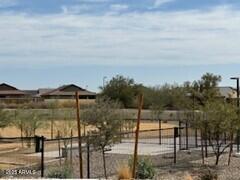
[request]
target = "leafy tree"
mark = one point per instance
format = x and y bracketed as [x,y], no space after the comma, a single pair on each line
[166,96]
[64,172]
[4,118]
[106,120]
[28,122]
[53,106]
[156,111]
[206,87]
[65,127]
[217,120]
[121,89]
[145,169]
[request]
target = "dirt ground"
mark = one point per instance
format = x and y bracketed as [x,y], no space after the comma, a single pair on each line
[60,125]
[10,152]
[195,170]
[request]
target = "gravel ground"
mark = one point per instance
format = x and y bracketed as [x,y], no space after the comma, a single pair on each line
[188,166]
[194,169]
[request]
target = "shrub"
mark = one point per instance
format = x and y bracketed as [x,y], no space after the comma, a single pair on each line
[60,173]
[124,172]
[144,168]
[209,175]
[1,173]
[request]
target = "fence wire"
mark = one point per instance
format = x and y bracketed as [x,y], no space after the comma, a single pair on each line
[18,158]
[24,158]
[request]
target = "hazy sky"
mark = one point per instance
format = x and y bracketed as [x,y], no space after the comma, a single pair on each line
[47,43]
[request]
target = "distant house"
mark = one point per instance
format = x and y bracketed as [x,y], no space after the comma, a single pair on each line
[68,92]
[37,93]
[227,92]
[9,92]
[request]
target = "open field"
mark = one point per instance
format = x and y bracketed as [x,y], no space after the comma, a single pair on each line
[19,156]
[5,166]
[61,124]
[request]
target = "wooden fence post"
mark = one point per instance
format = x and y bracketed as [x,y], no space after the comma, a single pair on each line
[175,144]
[79,135]
[59,148]
[88,157]
[160,131]
[42,156]
[71,144]
[140,104]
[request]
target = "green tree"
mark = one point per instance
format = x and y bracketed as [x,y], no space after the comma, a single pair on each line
[5,119]
[52,106]
[145,168]
[206,88]
[28,122]
[121,89]
[104,116]
[166,96]
[218,120]
[156,111]
[65,127]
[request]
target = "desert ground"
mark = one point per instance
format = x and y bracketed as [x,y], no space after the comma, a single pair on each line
[63,125]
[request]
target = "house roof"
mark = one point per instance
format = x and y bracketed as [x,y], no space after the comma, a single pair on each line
[6,89]
[31,92]
[67,90]
[44,90]
[38,93]
[227,92]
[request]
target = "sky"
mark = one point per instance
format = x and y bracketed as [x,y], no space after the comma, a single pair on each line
[48,43]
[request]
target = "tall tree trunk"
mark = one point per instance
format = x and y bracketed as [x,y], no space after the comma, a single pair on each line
[104,163]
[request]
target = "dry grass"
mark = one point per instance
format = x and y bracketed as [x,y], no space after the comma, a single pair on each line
[188,177]
[124,172]
[58,124]
[154,125]
[6,166]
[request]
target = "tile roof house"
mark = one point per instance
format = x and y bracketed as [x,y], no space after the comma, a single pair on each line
[68,92]
[38,93]
[8,91]
[9,94]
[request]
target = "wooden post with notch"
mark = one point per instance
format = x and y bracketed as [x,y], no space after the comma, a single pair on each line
[140,104]
[79,135]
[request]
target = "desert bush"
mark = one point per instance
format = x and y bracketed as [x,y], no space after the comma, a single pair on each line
[106,119]
[124,172]
[37,105]
[209,175]
[2,105]
[64,172]
[1,173]
[144,168]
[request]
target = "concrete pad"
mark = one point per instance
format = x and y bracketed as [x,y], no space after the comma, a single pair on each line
[145,147]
